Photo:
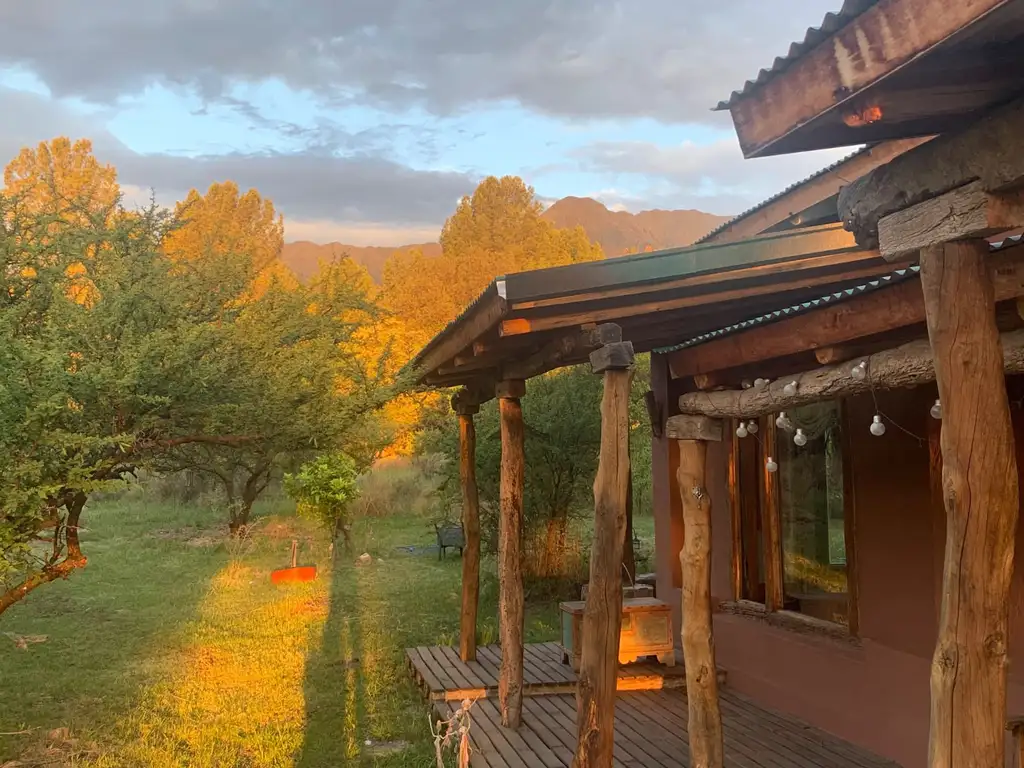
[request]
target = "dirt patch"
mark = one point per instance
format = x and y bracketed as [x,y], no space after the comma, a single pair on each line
[384,748]
[60,747]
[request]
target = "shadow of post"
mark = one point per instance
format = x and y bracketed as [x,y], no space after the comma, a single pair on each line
[332,683]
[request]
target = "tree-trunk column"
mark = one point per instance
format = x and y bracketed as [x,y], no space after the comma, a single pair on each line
[471,531]
[705,717]
[979,487]
[510,559]
[602,617]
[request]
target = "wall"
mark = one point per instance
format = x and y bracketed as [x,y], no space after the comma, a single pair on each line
[874,693]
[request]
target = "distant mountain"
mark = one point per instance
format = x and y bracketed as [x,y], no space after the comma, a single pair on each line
[618,233]
[303,257]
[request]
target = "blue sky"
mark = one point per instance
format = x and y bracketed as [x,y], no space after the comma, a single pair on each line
[365,121]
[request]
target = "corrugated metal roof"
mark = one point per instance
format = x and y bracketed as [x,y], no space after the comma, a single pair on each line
[833,298]
[495,288]
[832,23]
[764,203]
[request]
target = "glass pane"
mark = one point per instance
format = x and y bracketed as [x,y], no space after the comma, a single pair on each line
[811,511]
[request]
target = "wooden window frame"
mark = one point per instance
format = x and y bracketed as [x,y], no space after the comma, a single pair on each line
[772,610]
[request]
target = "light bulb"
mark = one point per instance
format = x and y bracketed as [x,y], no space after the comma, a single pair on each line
[783,422]
[760,384]
[860,370]
[790,389]
[746,384]
[800,438]
[936,410]
[877,427]
[752,427]
[771,465]
[741,430]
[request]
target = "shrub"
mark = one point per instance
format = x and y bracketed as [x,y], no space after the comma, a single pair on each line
[323,489]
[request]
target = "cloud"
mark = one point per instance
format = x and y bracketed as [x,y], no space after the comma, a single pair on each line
[360,191]
[713,177]
[667,59]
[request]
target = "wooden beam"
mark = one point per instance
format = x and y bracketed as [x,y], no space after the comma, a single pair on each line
[602,617]
[906,366]
[484,316]
[988,152]
[979,482]
[735,514]
[875,45]
[686,427]
[963,213]
[878,311]
[566,349]
[704,727]
[471,529]
[511,617]
[810,193]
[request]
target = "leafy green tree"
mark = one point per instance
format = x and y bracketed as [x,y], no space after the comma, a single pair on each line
[324,490]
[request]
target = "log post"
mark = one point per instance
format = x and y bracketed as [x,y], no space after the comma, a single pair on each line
[705,718]
[602,617]
[510,561]
[979,488]
[471,531]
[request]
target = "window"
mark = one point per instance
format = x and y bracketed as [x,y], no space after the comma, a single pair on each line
[790,527]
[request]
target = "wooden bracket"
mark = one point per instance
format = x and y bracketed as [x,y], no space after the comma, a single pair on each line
[612,357]
[686,427]
[510,389]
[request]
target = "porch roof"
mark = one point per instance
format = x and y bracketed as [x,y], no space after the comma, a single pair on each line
[883,70]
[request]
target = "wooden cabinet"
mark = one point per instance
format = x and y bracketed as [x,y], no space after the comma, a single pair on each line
[646,631]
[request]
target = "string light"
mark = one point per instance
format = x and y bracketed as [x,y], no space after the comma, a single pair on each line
[783,422]
[790,389]
[771,465]
[936,410]
[860,370]
[746,384]
[752,427]
[877,427]
[741,430]
[800,438]
[760,384]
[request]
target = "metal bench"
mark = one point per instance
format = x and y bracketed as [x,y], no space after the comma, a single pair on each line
[449,536]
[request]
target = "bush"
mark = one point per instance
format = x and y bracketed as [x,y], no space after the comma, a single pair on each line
[323,489]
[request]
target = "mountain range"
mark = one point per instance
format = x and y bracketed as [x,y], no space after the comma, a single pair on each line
[617,232]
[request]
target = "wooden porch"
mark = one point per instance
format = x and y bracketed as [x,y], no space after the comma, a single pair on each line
[650,725]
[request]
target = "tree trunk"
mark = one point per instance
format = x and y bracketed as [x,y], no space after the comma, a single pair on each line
[73,558]
[602,617]
[553,557]
[510,562]
[471,529]
[705,718]
[979,486]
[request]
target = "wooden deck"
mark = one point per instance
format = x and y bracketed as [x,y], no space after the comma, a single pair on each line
[650,730]
[444,676]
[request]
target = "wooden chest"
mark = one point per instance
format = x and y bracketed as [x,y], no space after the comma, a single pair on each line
[646,631]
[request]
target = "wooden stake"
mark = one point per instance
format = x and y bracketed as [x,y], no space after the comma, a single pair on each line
[705,720]
[602,617]
[471,529]
[979,485]
[510,562]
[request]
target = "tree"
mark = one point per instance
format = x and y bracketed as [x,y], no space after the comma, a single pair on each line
[324,489]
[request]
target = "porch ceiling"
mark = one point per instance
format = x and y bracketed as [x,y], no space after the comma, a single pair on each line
[881,70]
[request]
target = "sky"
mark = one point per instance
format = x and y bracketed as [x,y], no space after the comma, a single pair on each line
[365,121]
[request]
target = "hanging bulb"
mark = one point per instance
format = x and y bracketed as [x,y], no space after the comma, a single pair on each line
[771,465]
[783,422]
[760,384]
[936,410]
[860,370]
[790,389]
[800,438]
[746,384]
[741,430]
[752,427]
[877,427]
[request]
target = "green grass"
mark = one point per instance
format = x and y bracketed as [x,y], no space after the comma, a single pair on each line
[172,648]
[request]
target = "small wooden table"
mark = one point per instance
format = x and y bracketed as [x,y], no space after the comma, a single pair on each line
[646,631]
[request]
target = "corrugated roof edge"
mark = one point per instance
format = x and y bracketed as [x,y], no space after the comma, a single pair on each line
[832,23]
[750,211]
[496,286]
[833,298]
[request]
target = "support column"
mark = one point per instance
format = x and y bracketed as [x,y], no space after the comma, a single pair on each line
[471,530]
[705,717]
[602,617]
[979,487]
[510,558]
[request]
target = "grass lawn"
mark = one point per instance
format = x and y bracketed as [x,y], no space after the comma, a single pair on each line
[172,648]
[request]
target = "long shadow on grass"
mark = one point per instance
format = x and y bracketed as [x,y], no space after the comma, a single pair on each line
[333,685]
